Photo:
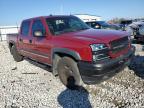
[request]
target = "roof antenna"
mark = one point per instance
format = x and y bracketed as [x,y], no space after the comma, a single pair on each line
[17,26]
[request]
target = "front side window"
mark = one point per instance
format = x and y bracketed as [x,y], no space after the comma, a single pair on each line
[61,25]
[25,28]
[38,26]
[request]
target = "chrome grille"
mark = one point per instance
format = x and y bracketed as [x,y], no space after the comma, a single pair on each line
[101,55]
[119,45]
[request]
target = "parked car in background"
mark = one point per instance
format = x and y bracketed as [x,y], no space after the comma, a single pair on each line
[136,29]
[77,53]
[125,23]
[102,25]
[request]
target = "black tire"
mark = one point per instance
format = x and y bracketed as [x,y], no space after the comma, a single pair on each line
[68,73]
[17,57]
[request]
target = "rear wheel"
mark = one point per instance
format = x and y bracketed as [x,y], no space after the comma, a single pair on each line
[68,73]
[17,57]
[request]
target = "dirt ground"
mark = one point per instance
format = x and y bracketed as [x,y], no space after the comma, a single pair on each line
[28,84]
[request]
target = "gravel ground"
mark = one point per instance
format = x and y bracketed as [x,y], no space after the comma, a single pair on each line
[28,84]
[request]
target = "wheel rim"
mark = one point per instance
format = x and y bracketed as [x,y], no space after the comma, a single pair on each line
[67,77]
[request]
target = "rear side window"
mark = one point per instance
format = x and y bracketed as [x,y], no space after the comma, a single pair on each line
[38,25]
[25,28]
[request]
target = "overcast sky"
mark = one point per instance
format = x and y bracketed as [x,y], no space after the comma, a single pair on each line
[13,11]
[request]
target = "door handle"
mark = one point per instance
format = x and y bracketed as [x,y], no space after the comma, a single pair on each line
[30,41]
[21,40]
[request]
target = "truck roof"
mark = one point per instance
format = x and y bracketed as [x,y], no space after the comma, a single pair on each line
[50,16]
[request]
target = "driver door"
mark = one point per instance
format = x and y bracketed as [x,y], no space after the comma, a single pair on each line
[41,43]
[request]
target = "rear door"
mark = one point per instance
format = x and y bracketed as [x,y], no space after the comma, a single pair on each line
[24,32]
[26,44]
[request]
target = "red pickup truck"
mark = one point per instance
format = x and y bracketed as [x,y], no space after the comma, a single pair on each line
[77,53]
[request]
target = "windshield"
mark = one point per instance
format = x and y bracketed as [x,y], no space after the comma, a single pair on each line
[103,23]
[61,25]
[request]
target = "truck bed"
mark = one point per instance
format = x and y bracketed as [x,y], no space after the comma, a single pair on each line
[12,37]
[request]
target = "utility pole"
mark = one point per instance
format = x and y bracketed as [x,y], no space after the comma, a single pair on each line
[0,35]
[61,9]
[17,27]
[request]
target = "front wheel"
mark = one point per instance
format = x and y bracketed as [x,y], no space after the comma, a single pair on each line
[68,73]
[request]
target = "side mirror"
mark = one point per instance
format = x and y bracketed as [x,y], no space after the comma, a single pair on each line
[39,33]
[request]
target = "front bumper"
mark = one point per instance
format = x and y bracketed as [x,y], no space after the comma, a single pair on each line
[93,73]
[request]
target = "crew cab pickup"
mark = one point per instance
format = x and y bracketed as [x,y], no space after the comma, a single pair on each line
[77,53]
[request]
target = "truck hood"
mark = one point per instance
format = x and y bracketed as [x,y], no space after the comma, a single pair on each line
[104,36]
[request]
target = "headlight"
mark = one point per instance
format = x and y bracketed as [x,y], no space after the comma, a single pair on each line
[100,52]
[97,47]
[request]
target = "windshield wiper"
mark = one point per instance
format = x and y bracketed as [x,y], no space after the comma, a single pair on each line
[83,28]
[64,31]
[70,30]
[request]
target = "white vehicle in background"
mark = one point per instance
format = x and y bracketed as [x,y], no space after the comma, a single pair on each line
[136,29]
[88,18]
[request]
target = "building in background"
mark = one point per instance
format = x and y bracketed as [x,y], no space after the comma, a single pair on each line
[88,18]
[4,30]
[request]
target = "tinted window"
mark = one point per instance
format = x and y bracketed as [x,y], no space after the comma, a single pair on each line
[38,26]
[25,28]
[61,25]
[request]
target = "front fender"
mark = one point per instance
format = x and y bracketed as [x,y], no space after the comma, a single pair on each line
[66,51]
